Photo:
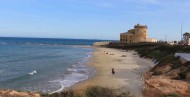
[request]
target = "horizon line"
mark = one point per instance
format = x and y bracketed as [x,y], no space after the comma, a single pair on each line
[53,38]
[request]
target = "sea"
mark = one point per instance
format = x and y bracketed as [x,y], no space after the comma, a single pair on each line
[44,64]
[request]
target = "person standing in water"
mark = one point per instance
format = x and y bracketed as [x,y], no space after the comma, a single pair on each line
[113,71]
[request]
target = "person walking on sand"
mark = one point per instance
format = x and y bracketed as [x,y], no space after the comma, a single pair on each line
[113,71]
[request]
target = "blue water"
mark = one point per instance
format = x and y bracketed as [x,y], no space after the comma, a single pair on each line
[43,65]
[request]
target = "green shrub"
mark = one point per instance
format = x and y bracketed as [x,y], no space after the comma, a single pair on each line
[170,95]
[157,73]
[176,64]
[168,59]
[68,93]
[174,95]
[94,91]
[124,95]
[161,95]
[182,75]
[100,92]
[187,64]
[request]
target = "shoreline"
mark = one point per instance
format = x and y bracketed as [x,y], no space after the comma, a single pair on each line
[82,69]
[129,71]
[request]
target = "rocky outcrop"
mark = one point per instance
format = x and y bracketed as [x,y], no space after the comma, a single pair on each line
[168,79]
[162,85]
[188,75]
[12,93]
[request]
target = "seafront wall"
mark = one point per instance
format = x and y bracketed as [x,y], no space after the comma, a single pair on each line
[101,43]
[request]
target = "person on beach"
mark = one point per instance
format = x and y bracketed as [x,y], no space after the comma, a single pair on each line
[113,71]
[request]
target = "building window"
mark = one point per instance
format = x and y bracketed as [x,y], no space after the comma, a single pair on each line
[130,36]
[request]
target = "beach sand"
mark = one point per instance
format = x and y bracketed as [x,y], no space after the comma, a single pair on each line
[129,70]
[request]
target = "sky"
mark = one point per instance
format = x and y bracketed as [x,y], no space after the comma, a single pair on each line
[93,19]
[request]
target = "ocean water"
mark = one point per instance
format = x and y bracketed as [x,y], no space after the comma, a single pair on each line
[44,65]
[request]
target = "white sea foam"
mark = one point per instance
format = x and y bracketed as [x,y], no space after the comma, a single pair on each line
[84,46]
[28,43]
[3,43]
[69,80]
[78,73]
[41,44]
[72,69]
[33,72]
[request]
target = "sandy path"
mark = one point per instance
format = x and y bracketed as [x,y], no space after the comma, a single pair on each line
[129,70]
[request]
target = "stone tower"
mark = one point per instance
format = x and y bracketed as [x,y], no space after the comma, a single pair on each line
[140,33]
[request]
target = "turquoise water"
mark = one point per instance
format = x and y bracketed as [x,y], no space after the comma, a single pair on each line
[43,65]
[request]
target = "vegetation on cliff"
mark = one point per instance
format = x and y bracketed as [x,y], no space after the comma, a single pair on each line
[170,76]
[94,91]
[164,57]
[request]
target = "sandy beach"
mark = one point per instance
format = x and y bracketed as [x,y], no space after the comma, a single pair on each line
[129,70]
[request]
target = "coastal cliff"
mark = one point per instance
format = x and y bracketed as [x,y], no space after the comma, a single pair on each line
[171,74]
[13,93]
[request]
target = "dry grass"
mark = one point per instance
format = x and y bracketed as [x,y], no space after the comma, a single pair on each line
[94,91]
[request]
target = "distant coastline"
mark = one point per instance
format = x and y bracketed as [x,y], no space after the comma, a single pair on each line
[96,40]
